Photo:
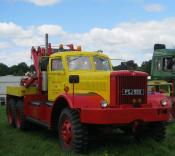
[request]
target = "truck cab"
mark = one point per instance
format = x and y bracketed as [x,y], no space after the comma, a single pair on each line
[92,69]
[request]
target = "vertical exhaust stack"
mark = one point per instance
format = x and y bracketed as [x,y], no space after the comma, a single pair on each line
[46,43]
[44,72]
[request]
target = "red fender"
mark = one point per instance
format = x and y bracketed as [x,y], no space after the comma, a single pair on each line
[81,100]
[65,97]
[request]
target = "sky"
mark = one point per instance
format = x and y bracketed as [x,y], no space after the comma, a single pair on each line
[123,29]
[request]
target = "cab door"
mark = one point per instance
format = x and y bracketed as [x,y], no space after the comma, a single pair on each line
[56,78]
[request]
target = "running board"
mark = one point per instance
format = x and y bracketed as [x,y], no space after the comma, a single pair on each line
[38,122]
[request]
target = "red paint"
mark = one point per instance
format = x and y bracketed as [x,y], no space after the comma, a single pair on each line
[115,90]
[66,132]
[123,116]
[41,112]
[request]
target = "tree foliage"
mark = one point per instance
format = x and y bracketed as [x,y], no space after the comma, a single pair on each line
[131,65]
[17,70]
[146,66]
[4,69]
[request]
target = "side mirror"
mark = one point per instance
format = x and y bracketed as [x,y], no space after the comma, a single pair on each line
[43,63]
[74,79]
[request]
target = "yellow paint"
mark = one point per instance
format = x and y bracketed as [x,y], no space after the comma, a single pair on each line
[91,81]
[21,91]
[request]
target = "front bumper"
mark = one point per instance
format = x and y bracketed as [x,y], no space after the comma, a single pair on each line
[123,115]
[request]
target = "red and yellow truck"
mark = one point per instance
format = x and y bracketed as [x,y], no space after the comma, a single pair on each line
[73,90]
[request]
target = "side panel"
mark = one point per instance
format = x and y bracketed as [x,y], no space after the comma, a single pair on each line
[21,91]
[36,107]
[56,81]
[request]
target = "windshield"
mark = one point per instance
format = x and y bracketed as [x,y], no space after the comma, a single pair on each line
[79,63]
[101,63]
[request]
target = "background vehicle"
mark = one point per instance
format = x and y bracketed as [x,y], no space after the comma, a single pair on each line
[74,92]
[160,86]
[163,64]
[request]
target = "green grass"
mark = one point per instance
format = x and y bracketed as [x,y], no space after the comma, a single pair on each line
[40,142]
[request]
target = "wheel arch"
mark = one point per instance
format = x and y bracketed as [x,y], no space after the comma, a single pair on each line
[59,104]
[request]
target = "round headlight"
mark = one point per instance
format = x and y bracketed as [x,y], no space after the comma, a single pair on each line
[104,104]
[164,102]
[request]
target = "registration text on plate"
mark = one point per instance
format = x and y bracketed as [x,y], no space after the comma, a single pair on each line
[132,91]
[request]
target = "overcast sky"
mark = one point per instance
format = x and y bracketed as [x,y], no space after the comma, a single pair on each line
[124,29]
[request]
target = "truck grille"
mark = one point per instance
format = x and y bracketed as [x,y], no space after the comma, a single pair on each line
[136,85]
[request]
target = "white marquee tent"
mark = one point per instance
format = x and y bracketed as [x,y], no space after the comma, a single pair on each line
[5,81]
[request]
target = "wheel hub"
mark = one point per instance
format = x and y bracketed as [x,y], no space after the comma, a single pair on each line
[66,132]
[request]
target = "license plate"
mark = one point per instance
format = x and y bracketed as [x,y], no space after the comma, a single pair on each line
[133,92]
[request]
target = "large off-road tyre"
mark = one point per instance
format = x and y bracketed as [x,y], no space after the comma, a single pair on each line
[11,112]
[73,135]
[157,131]
[21,122]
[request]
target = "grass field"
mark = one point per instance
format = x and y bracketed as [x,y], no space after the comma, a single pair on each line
[40,142]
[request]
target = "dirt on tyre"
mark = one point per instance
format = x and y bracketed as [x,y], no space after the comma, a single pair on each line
[21,122]
[11,112]
[73,135]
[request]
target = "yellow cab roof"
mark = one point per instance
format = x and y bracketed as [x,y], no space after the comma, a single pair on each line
[69,53]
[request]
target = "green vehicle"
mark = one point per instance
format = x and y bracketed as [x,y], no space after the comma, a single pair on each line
[163,65]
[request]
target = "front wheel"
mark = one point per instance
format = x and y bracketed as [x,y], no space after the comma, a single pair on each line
[73,134]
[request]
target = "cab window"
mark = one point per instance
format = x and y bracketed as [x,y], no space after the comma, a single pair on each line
[56,64]
[101,63]
[79,63]
[169,64]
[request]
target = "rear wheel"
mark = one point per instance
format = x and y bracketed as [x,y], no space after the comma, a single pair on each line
[11,112]
[21,122]
[72,134]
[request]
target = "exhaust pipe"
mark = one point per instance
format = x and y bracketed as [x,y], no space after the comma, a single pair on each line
[46,43]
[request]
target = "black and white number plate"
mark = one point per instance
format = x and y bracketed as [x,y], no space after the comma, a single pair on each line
[132,91]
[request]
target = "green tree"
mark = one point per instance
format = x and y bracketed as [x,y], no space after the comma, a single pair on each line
[32,68]
[129,65]
[19,70]
[4,69]
[22,68]
[146,66]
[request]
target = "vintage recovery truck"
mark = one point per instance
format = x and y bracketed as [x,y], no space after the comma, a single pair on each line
[73,91]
